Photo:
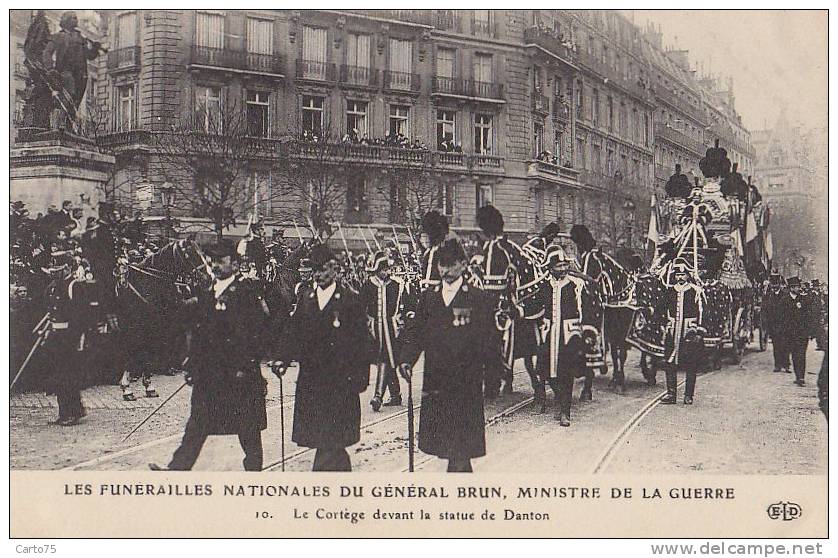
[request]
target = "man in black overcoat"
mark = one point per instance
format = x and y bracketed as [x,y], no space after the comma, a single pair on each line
[228,390]
[772,321]
[454,326]
[797,326]
[328,336]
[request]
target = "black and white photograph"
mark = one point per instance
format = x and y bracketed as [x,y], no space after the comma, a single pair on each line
[489,241]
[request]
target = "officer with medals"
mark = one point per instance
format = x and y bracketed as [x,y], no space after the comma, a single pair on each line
[228,390]
[383,298]
[453,326]
[569,329]
[683,306]
[328,337]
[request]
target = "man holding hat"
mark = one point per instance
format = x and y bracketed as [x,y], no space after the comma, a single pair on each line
[328,337]
[228,390]
[383,299]
[682,305]
[569,328]
[797,326]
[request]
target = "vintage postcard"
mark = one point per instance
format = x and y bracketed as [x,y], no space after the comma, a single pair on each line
[283,270]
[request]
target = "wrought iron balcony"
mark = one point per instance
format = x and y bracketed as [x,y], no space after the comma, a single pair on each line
[402,81]
[553,172]
[127,58]
[662,131]
[549,41]
[236,60]
[680,104]
[358,75]
[448,20]
[315,70]
[467,88]
[561,109]
[483,28]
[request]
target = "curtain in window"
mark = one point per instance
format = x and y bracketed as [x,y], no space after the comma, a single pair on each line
[314,44]
[126,30]
[482,68]
[400,56]
[259,36]
[358,51]
[209,30]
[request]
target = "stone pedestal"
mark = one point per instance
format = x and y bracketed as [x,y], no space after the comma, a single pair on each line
[51,167]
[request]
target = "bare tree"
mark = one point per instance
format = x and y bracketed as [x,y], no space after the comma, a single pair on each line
[413,188]
[207,158]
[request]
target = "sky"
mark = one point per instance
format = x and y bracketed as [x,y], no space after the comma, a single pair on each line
[776,58]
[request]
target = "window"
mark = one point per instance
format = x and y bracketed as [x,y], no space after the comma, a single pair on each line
[646,139]
[356,118]
[260,37]
[260,185]
[445,202]
[596,107]
[126,114]
[539,206]
[313,115]
[126,30]
[314,53]
[558,145]
[483,68]
[358,51]
[400,64]
[483,134]
[537,138]
[596,158]
[610,114]
[209,30]
[580,99]
[445,127]
[609,162]
[485,195]
[258,111]
[208,109]
[356,198]
[482,22]
[581,154]
[399,120]
[445,63]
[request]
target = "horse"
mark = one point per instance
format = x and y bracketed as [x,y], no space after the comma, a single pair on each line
[153,319]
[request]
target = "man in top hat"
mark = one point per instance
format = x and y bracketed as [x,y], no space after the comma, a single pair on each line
[797,325]
[683,308]
[569,329]
[228,390]
[328,337]
[772,321]
[453,326]
[383,298]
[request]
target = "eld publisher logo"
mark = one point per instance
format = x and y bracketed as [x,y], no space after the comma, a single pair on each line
[786,511]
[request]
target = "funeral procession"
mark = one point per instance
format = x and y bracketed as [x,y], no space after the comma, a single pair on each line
[509,241]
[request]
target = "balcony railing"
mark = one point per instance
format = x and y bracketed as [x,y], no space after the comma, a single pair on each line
[124,58]
[467,88]
[544,168]
[664,132]
[123,134]
[315,70]
[448,20]
[236,59]
[482,160]
[679,103]
[358,75]
[549,41]
[402,81]
[482,27]
[636,87]
[561,109]
[327,153]
[540,103]
[422,17]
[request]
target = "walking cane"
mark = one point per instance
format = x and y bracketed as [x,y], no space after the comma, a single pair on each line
[410,448]
[282,423]
[154,412]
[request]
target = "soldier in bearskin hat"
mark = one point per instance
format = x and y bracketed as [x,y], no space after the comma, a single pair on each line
[329,338]
[228,390]
[435,226]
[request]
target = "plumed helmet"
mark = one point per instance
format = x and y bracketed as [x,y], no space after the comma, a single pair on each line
[490,220]
[377,262]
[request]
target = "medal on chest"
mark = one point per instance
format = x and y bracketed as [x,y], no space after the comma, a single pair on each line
[462,316]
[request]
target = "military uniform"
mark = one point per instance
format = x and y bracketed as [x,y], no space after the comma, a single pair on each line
[383,301]
[332,345]
[682,306]
[430,273]
[454,327]
[567,316]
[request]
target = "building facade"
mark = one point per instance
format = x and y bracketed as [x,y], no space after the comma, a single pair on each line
[575,116]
